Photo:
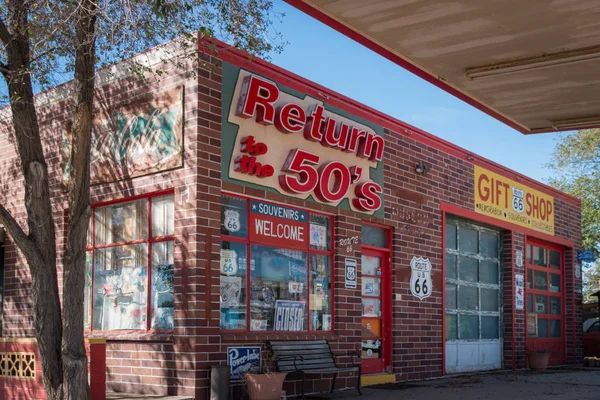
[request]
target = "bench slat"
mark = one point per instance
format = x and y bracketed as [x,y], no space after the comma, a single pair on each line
[304,353]
[298,342]
[322,347]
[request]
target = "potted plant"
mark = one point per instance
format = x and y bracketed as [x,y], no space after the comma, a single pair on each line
[265,383]
[538,359]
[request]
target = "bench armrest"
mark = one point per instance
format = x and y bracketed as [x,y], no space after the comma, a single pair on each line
[351,353]
[292,358]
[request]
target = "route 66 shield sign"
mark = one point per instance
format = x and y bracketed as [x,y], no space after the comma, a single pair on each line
[421,285]
[517,202]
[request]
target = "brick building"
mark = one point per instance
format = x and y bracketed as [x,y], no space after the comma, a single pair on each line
[236,202]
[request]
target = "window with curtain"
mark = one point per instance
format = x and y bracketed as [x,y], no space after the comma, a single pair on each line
[129,265]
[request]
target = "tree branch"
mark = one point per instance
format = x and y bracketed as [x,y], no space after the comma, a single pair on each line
[4,69]
[5,36]
[15,230]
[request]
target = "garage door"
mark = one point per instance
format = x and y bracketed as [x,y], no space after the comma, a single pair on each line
[473,298]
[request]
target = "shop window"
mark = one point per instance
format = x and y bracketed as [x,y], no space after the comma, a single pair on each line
[451,236]
[468,269]
[489,272]
[275,268]
[540,280]
[539,256]
[451,327]
[451,265]
[467,239]
[374,236]
[130,265]
[554,259]
[468,327]
[490,327]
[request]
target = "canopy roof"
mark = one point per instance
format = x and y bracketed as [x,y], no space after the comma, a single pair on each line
[534,65]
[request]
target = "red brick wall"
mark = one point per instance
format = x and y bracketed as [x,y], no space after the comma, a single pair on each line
[177,363]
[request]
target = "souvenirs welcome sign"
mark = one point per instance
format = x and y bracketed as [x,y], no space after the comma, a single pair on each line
[283,141]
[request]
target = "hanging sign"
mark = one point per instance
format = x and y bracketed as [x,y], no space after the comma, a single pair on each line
[277,225]
[586,256]
[350,273]
[241,360]
[519,292]
[420,279]
[289,315]
[298,147]
[502,198]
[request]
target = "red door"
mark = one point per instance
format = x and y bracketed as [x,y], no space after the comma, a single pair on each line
[546,300]
[376,310]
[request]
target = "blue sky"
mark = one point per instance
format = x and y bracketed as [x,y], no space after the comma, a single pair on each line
[320,54]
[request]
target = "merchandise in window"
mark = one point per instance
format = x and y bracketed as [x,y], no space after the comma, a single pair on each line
[276,268]
[130,265]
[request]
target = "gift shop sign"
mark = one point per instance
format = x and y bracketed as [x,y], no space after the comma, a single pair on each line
[505,199]
[297,147]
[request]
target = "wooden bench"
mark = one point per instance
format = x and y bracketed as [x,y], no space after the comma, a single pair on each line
[309,357]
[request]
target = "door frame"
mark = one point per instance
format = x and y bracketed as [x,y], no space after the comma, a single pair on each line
[563,296]
[385,254]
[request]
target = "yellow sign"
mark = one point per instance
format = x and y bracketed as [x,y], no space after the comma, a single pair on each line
[505,199]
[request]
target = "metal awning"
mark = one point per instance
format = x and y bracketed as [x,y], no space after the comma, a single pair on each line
[534,65]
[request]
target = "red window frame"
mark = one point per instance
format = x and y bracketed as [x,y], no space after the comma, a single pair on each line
[308,250]
[150,240]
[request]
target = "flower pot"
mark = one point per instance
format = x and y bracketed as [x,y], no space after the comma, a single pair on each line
[265,386]
[538,361]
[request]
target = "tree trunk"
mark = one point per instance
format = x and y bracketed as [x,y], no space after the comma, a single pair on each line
[74,357]
[60,336]
[39,245]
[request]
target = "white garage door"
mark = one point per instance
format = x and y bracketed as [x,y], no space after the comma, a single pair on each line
[473,298]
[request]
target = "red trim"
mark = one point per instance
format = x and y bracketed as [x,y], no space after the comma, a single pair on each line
[157,193]
[472,215]
[443,292]
[244,60]
[574,332]
[409,66]
[149,255]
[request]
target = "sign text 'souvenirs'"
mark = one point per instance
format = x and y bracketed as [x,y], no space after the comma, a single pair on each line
[303,171]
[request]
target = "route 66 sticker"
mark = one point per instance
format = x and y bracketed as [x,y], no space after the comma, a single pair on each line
[232,220]
[229,264]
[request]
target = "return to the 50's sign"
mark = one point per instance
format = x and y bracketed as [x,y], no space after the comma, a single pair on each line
[278,139]
[505,199]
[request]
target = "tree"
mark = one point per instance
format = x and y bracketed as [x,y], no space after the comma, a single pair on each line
[41,42]
[576,163]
